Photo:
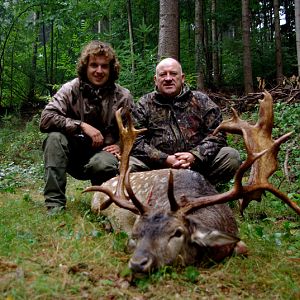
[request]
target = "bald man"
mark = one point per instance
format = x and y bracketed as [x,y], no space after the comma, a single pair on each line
[180,123]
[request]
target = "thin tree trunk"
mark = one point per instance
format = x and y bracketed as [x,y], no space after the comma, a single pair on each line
[51,75]
[6,37]
[199,44]
[168,43]
[45,49]
[207,49]
[297,22]
[289,10]
[247,66]
[279,68]
[215,60]
[32,76]
[12,71]
[131,40]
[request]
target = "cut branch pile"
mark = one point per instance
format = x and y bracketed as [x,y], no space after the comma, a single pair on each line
[287,94]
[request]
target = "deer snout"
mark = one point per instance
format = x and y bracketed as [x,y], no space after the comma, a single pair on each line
[140,264]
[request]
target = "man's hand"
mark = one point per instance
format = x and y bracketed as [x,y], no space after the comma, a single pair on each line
[113,149]
[180,160]
[93,133]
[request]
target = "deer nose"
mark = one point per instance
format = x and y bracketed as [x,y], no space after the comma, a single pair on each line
[140,264]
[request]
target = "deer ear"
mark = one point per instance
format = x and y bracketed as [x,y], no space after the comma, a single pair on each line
[212,238]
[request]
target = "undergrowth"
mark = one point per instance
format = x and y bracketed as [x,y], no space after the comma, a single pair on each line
[74,255]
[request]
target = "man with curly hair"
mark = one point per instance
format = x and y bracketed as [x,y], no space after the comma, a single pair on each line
[83,136]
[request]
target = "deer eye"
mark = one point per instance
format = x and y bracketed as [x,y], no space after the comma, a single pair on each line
[178,233]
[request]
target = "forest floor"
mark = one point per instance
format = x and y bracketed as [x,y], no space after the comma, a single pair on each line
[73,256]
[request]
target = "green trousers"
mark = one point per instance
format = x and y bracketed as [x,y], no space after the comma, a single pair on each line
[76,157]
[220,170]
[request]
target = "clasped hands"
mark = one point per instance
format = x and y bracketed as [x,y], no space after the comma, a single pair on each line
[180,160]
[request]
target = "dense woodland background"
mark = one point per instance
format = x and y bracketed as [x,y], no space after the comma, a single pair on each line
[224,46]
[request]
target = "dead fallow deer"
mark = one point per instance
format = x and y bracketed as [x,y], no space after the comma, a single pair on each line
[182,219]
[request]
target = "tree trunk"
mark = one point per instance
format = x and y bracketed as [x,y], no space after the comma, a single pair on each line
[289,10]
[199,44]
[12,71]
[214,42]
[279,68]
[45,50]
[32,77]
[247,66]
[131,40]
[51,75]
[168,43]
[297,22]
[5,40]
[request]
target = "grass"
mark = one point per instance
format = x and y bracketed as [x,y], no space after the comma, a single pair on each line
[73,256]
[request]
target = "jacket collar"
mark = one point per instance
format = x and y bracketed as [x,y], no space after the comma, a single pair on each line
[178,101]
[95,93]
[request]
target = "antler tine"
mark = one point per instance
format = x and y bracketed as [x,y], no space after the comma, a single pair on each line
[262,153]
[120,201]
[191,204]
[173,203]
[127,138]
[233,125]
[258,182]
[249,190]
[138,204]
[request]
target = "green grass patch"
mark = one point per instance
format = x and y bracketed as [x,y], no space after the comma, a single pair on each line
[72,256]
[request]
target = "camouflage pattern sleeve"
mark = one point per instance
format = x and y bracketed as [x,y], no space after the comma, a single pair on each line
[143,149]
[210,145]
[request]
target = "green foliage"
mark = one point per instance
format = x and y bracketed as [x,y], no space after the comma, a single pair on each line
[40,43]
[232,54]
[71,255]
[287,116]
[20,153]
[14,176]
[141,81]
[120,241]
[192,273]
[26,148]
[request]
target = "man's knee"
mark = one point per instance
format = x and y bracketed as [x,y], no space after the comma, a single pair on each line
[137,165]
[102,162]
[224,165]
[101,167]
[230,158]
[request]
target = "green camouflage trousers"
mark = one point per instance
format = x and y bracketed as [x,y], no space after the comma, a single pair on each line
[76,157]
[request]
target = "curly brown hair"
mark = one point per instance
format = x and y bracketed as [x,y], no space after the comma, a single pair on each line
[95,48]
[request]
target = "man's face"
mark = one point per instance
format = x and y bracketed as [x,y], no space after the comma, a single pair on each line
[98,70]
[169,77]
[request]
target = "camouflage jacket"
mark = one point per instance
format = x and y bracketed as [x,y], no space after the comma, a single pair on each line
[184,125]
[78,101]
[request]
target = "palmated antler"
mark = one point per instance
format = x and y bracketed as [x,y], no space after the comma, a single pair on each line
[262,153]
[127,137]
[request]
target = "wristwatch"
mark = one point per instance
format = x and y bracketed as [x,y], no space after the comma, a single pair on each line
[78,123]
